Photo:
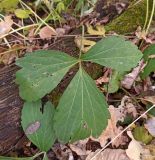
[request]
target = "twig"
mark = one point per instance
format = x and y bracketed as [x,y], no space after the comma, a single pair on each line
[18,29]
[37,16]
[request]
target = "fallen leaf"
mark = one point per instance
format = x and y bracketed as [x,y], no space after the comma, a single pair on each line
[127,107]
[32,128]
[150,99]
[5,25]
[99,31]
[130,78]
[10,55]
[150,126]
[83,44]
[141,134]
[108,154]
[60,31]
[22,13]
[46,32]
[149,152]
[112,130]
[135,149]
[104,78]
[79,147]
[62,152]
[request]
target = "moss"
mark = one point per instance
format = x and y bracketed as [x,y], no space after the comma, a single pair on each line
[128,21]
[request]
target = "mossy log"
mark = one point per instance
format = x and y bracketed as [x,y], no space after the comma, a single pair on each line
[133,17]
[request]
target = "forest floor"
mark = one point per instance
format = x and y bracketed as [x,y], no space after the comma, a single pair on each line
[28,26]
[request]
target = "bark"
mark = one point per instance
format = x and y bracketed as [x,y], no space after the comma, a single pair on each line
[10,108]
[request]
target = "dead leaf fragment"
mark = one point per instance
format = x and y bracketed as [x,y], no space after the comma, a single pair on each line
[128,107]
[130,78]
[60,31]
[135,149]
[79,147]
[62,152]
[8,56]
[32,128]
[109,154]
[112,130]
[47,32]
[5,25]
[99,31]
[150,99]
[149,152]
[83,43]
[150,126]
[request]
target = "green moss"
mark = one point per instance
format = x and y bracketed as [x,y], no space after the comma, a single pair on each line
[128,21]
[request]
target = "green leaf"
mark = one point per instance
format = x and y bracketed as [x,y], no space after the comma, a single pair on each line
[114,52]
[8,5]
[150,67]
[41,72]
[60,7]
[22,13]
[38,126]
[12,158]
[82,108]
[152,111]
[141,134]
[114,82]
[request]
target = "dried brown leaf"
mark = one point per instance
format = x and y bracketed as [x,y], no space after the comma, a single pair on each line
[5,25]
[130,78]
[135,149]
[60,31]
[79,147]
[46,32]
[150,126]
[99,31]
[109,154]
[83,43]
[112,130]
[127,107]
[9,56]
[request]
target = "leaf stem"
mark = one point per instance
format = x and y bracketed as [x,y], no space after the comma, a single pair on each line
[82,35]
[81,48]
[147,14]
[151,17]
[38,154]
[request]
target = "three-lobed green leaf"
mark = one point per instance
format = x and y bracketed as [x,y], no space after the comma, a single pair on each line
[38,126]
[81,107]
[114,52]
[41,72]
[82,110]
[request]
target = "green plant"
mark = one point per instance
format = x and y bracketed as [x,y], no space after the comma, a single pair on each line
[82,110]
[149,58]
